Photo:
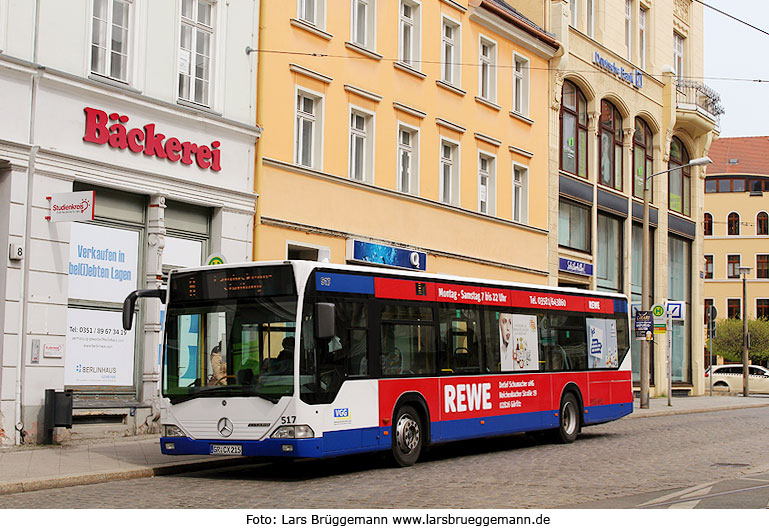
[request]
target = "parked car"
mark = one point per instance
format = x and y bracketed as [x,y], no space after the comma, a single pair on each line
[728,377]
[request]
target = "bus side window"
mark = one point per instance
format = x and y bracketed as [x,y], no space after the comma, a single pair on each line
[407,340]
[491,341]
[460,340]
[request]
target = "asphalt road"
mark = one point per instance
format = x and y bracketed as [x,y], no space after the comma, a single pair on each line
[654,462]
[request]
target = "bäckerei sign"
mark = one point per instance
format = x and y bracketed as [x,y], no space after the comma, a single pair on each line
[103,128]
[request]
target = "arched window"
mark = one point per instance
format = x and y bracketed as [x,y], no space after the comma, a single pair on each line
[733,223]
[707,224]
[762,224]
[573,130]
[610,147]
[642,157]
[680,179]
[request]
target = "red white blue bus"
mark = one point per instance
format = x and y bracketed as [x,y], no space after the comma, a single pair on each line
[306,359]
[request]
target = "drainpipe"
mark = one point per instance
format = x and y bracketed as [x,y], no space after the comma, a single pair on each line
[258,157]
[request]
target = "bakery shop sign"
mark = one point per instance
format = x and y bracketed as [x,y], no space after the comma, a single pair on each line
[101,128]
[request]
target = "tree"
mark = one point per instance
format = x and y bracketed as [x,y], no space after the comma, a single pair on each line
[728,341]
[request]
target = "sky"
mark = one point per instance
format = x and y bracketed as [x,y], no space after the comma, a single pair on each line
[734,50]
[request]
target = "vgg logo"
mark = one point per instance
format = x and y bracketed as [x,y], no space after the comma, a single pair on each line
[341,412]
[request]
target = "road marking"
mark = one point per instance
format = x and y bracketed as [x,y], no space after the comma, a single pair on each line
[677,494]
[688,505]
[710,496]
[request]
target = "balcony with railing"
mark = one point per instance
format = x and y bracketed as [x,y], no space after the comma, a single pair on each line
[698,107]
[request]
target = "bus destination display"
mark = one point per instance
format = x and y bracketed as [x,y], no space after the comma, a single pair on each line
[227,283]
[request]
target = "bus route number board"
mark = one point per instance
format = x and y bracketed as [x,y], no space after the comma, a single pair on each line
[226,450]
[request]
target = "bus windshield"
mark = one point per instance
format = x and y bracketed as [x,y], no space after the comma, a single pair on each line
[234,347]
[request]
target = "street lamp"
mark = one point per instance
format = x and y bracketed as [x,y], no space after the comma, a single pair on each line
[646,276]
[744,271]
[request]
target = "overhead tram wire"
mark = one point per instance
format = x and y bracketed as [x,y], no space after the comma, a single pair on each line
[545,69]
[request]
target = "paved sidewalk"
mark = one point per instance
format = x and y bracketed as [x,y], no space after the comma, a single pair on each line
[30,468]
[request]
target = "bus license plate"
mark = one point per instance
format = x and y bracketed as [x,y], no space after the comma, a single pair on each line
[226,450]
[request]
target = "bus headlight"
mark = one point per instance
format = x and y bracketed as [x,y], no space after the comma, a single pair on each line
[293,432]
[172,431]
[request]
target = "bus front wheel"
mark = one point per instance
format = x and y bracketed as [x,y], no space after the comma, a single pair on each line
[408,436]
[568,422]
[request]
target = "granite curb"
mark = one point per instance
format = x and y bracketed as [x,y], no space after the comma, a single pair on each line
[638,413]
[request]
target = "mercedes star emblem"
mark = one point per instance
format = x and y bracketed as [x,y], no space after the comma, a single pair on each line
[225,427]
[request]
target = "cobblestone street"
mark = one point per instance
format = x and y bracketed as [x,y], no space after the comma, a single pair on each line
[607,461]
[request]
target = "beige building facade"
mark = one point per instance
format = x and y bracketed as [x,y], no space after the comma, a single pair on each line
[624,108]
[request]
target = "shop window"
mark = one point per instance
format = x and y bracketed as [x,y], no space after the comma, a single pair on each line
[610,146]
[573,128]
[733,223]
[110,38]
[574,226]
[680,289]
[609,249]
[707,224]
[195,51]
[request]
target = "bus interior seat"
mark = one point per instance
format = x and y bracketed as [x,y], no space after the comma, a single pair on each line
[245,376]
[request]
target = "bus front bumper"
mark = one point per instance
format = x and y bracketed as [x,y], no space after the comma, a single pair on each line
[293,448]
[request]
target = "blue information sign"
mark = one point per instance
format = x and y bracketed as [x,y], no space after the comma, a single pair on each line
[575,266]
[388,255]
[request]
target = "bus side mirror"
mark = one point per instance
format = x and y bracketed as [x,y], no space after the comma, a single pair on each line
[325,320]
[129,305]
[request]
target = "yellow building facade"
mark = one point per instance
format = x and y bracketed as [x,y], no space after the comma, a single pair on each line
[736,227]
[416,126]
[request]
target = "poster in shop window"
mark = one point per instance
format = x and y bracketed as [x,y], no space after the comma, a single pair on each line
[602,343]
[519,349]
[99,351]
[103,262]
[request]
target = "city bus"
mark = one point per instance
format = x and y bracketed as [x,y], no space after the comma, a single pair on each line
[311,359]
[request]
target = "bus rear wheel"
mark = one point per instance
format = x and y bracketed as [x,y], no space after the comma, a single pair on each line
[568,419]
[408,436]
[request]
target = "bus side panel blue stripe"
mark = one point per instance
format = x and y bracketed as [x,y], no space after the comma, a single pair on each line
[341,282]
[620,306]
[599,414]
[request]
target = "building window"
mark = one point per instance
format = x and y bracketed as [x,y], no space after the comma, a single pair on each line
[451,52]
[707,224]
[361,146]
[680,289]
[642,36]
[610,148]
[733,223]
[197,35]
[574,226]
[762,309]
[449,173]
[487,73]
[312,12]
[309,108]
[762,266]
[520,194]
[109,42]
[642,158]
[408,41]
[678,55]
[363,19]
[573,118]
[609,253]
[733,266]
[408,160]
[521,85]
[590,17]
[708,266]
[487,184]
[629,28]
[679,179]
[762,224]
[733,308]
